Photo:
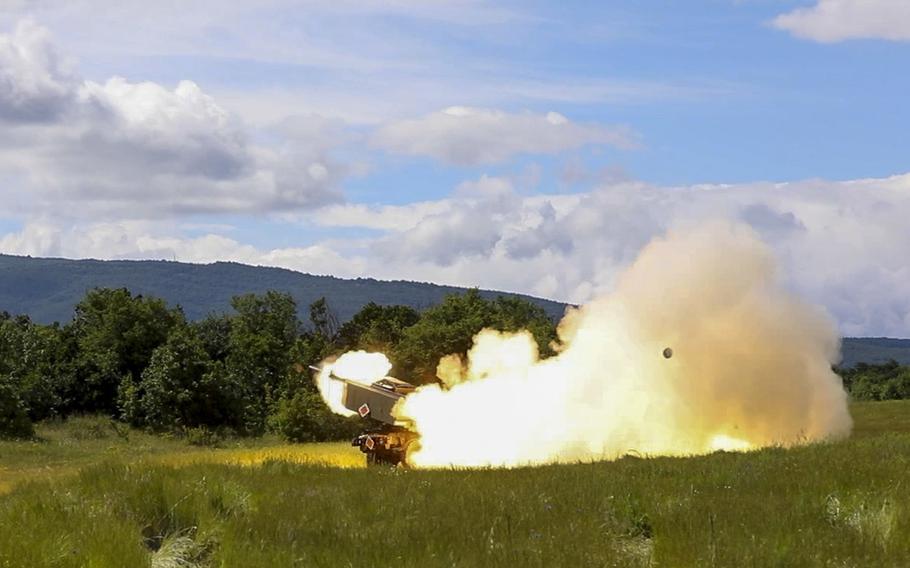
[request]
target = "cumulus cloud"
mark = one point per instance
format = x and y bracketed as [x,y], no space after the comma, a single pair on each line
[837,20]
[840,244]
[184,130]
[123,149]
[468,136]
[36,84]
[464,231]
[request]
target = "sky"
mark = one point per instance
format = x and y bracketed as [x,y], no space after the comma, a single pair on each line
[523,146]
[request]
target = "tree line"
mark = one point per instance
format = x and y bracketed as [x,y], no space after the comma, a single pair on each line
[140,361]
[885,381]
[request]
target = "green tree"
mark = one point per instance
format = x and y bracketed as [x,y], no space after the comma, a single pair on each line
[450,327]
[215,333]
[260,354]
[512,314]
[376,328]
[310,349]
[886,381]
[115,334]
[181,388]
[33,362]
[300,413]
[14,421]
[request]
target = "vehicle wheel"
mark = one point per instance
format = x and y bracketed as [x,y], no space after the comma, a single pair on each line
[389,459]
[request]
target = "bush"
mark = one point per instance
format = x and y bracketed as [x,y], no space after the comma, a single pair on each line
[887,381]
[14,421]
[30,358]
[305,418]
[181,388]
[202,436]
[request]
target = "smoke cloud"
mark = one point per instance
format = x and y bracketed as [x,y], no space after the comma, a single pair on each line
[750,367]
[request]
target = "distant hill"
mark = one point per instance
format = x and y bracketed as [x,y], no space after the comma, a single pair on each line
[875,350]
[47,289]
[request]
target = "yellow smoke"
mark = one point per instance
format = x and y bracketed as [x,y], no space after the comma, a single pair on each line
[751,367]
[358,366]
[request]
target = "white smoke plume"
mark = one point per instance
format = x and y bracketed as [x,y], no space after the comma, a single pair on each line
[751,367]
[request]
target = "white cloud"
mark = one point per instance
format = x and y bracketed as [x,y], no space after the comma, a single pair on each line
[35,83]
[147,126]
[465,231]
[470,136]
[139,150]
[379,217]
[838,20]
[841,244]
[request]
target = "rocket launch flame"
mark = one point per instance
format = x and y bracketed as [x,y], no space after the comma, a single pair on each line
[749,366]
[358,366]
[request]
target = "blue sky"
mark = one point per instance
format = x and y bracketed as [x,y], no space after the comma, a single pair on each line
[717,93]
[432,141]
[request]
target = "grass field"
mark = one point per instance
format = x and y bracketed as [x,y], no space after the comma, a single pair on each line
[62,449]
[88,496]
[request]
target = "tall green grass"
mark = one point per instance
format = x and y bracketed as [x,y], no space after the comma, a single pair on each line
[838,504]
[62,449]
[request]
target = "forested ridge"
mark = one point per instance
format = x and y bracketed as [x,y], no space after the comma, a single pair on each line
[48,289]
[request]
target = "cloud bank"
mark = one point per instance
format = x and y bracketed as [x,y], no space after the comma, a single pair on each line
[138,150]
[841,244]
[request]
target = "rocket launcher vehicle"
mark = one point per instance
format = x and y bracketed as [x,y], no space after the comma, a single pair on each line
[389,440]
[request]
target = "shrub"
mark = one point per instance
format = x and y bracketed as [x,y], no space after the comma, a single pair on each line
[304,417]
[202,436]
[887,381]
[181,388]
[14,421]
